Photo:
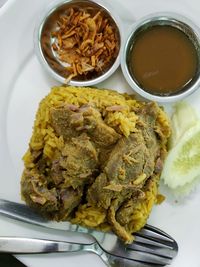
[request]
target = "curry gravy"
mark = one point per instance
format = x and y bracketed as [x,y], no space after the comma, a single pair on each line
[163,60]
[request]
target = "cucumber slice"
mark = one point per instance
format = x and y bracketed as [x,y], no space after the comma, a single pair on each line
[182,165]
[187,188]
[183,118]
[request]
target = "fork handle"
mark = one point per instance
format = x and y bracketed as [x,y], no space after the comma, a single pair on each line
[20,245]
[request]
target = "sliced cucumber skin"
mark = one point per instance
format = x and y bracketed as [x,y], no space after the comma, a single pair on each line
[175,175]
[183,118]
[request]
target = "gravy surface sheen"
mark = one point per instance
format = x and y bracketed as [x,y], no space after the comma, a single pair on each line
[163,60]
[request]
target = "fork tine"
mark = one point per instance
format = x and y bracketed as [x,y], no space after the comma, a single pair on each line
[151,249]
[156,233]
[155,242]
[122,262]
[145,240]
[152,255]
[151,245]
[146,257]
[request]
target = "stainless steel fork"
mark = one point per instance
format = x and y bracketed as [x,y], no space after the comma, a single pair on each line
[20,245]
[151,246]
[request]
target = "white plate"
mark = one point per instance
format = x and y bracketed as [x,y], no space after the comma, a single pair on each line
[23,84]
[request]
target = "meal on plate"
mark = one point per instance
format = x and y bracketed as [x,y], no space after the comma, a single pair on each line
[95,158]
[86,40]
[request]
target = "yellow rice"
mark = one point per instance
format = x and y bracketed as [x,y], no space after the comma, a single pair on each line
[124,121]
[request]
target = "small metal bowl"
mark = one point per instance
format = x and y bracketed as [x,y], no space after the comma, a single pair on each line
[170,19]
[43,41]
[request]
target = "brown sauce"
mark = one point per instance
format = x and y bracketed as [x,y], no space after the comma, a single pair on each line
[163,60]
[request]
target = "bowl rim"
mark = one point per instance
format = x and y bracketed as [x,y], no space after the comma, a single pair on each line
[145,20]
[45,13]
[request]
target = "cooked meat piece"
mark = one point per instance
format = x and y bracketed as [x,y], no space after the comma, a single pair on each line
[129,165]
[54,203]
[125,211]
[36,154]
[56,172]
[127,153]
[41,165]
[134,157]
[125,219]
[36,193]
[117,227]
[76,166]
[115,108]
[100,133]
[78,163]
[70,199]
[70,122]
[104,154]
[97,196]
[126,215]
[160,161]
[159,165]
[61,121]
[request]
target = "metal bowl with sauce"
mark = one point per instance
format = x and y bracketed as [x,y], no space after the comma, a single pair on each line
[161,57]
[43,40]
